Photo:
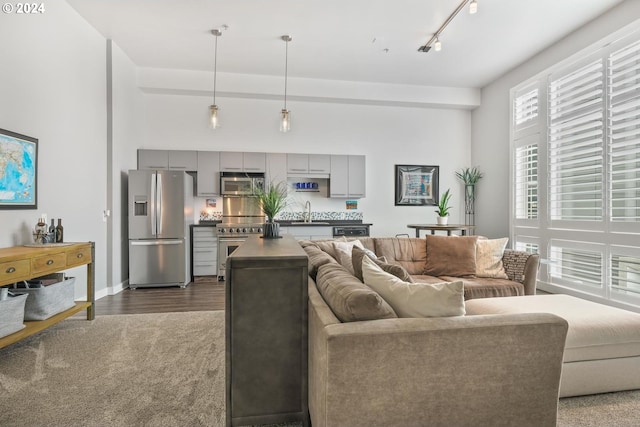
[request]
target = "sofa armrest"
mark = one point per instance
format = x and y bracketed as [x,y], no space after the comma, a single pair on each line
[464,371]
[522,267]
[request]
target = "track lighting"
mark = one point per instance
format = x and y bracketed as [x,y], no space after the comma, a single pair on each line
[473,7]
[435,39]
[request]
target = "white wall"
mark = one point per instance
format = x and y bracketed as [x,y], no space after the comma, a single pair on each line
[387,135]
[127,132]
[490,122]
[52,82]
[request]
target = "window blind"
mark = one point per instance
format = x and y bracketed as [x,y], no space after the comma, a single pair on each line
[575,138]
[624,134]
[526,182]
[526,109]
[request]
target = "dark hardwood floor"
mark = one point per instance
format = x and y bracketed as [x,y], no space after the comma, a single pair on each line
[206,293]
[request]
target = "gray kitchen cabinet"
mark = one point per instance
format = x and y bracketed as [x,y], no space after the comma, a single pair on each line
[348,176]
[300,164]
[297,163]
[208,179]
[231,161]
[276,170]
[319,163]
[205,251]
[313,232]
[357,177]
[186,160]
[266,333]
[253,162]
[153,159]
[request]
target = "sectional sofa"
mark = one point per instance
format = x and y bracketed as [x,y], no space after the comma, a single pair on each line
[369,367]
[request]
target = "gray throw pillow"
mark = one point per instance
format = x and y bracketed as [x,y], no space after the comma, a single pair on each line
[397,270]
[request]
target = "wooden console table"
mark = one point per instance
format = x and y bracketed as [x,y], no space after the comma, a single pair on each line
[20,263]
[464,229]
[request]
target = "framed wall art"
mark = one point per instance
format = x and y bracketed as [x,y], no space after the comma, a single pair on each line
[18,171]
[416,185]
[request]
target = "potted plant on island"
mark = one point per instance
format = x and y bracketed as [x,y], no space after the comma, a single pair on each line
[443,208]
[272,201]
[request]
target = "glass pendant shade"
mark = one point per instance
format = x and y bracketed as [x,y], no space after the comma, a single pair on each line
[285,121]
[473,7]
[213,117]
[437,46]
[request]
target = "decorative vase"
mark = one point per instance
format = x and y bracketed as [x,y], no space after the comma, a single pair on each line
[469,200]
[271,230]
[442,220]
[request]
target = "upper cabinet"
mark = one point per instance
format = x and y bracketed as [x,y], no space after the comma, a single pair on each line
[185,160]
[231,161]
[276,170]
[348,177]
[208,179]
[308,164]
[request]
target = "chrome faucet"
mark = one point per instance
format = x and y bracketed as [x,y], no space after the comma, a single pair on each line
[307,208]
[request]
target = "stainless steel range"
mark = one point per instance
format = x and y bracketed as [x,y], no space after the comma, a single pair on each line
[241,218]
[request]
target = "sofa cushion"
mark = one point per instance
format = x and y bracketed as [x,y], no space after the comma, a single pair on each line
[327,245]
[343,253]
[423,278]
[487,288]
[489,254]
[349,298]
[410,253]
[317,257]
[356,259]
[450,256]
[415,299]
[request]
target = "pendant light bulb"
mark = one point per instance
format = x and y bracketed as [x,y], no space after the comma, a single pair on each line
[285,119]
[213,117]
[473,7]
[437,46]
[213,109]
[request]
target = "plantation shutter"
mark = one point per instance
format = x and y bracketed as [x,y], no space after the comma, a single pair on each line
[525,109]
[526,181]
[624,134]
[576,143]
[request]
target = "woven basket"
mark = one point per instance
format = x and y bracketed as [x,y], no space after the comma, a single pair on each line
[12,315]
[47,301]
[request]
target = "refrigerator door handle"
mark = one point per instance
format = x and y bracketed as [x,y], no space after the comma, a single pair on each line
[155,242]
[160,202]
[154,204]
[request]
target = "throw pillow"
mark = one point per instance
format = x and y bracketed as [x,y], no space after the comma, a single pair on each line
[349,299]
[327,245]
[397,270]
[343,253]
[415,299]
[489,254]
[451,256]
[317,257]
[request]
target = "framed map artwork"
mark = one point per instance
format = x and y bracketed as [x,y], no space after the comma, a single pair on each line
[416,185]
[18,171]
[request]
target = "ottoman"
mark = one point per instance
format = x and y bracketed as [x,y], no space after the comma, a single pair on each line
[602,350]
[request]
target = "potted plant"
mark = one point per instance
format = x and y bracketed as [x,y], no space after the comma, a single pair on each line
[272,201]
[470,177]
[443,208]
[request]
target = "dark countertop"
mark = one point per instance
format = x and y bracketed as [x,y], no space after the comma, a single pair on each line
[206,223]
[323,223]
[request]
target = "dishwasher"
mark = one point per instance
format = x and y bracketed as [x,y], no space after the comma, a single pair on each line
[358,230]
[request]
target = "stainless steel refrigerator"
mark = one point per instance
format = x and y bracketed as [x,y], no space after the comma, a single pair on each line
[160,212]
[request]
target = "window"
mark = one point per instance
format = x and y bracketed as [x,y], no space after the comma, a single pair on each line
[575,139]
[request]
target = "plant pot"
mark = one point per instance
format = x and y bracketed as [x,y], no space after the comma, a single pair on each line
[271,230]
[442,220]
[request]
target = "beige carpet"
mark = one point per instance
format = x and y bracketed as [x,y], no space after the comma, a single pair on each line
[165,370]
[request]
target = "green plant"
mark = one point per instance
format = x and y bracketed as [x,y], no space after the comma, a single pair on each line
[273,199]
[443,204]
[470,176]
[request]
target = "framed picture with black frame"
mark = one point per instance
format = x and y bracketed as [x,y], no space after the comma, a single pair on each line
[18,171]
[416,185]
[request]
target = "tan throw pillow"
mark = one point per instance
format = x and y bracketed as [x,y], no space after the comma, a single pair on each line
[327,245]
[451,256]
[317,257]
[350,299]
[415,299]
[489,254]
[356,258]
[343,253]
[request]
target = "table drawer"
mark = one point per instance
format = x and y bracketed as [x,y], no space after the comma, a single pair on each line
[50,262]
[79,256]
[14,269]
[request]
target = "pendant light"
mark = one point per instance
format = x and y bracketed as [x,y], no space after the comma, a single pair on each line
[285,118]
[213,109]
[473,7]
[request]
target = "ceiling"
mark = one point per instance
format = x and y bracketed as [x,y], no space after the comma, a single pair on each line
[352,40]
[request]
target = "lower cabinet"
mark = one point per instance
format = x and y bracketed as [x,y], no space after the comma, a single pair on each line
[311,232]
[266,333]
[205,251]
